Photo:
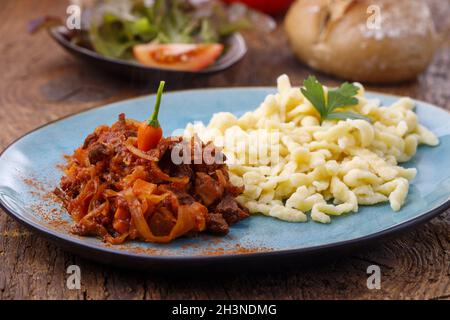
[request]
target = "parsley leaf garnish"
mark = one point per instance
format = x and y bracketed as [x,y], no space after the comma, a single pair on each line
[341,97]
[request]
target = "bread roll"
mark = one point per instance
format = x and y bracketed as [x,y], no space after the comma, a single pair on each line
[340,37]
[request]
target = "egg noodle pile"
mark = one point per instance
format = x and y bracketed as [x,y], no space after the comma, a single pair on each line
[291,165]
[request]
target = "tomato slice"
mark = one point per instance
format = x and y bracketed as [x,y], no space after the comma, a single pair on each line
[272,7]
[183,57]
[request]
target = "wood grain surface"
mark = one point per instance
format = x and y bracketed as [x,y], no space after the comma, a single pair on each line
[40,83]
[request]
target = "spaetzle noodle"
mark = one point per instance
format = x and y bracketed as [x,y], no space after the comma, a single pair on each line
[291,165]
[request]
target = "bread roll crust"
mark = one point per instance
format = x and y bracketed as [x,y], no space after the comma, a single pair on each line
[333,36]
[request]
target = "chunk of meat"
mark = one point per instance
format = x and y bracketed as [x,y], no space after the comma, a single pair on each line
[162,222]
[165,153]
[184,198]
[182,170]
[164,145]
[231,211]
[208,189]
[215,223]
[97,152]
[204,157]
[89,140]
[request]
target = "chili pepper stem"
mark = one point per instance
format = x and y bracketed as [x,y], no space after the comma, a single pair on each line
[153,120]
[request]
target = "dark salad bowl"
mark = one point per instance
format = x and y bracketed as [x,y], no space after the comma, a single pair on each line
[235,49]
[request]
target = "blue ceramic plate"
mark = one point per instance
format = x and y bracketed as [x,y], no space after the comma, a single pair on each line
[29,172]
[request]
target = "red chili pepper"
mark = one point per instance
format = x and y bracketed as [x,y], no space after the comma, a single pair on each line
[150,132]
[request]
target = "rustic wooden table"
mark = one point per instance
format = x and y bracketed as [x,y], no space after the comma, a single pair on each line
[40,83]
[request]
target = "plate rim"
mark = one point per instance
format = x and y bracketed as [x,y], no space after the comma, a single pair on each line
[68,241]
